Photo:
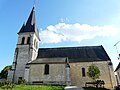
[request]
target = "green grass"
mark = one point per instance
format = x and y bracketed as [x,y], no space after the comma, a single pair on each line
[37,87]
[46,87]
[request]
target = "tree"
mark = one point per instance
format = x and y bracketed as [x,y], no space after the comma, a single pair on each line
[93,72]
[4,72]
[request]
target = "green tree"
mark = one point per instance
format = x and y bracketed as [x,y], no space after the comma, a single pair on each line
[93,72]
[4,72]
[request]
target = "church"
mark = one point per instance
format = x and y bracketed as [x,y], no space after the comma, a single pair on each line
[61,66]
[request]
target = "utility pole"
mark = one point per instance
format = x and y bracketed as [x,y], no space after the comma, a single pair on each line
[117,50]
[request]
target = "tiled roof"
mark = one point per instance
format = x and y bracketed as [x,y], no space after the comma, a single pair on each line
[48,60]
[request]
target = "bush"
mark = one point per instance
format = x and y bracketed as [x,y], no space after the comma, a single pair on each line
[7,85]
[21,81]
[4,72]
[100,83]
[93,72]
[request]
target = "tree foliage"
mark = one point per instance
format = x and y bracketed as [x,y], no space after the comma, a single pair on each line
[93,72]
[4,72]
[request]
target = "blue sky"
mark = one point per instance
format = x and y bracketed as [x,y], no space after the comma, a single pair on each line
[62,23]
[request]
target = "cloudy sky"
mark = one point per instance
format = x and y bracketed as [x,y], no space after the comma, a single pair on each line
[62,23]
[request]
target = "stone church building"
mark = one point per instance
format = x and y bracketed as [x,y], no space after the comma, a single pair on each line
[63,65]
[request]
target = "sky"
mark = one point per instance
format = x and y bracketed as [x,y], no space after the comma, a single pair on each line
[62,23]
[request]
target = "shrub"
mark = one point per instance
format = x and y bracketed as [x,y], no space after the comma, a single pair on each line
[21,81]
[7,85]
[100,83]
[93,72]
[4,72]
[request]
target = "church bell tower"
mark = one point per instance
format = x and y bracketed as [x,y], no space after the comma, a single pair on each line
[26,48]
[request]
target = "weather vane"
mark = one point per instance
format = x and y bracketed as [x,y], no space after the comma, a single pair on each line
[34,2]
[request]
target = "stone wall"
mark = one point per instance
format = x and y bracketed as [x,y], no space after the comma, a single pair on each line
[57,74]
[22,60]
[26,52]
[107,73]
[118,76]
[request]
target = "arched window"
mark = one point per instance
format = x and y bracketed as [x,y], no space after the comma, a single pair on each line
[46,70]
[35,43]
[83,72]
[28,40]
[23,40]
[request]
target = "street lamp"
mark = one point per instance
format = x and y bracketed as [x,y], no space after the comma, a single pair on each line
[117,50]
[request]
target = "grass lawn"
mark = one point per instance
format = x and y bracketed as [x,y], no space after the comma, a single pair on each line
[44,87]
[37,87]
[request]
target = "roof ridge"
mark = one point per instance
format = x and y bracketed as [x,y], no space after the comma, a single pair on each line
[70,47]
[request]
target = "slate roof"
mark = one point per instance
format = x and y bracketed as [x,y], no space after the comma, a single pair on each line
[75,54]
[30,25]
[117,67]
[48,60]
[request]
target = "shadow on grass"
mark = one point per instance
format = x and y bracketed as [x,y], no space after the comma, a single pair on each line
[93,88]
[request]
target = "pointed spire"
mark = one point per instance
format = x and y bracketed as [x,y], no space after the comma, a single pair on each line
[30,25]
[31,20]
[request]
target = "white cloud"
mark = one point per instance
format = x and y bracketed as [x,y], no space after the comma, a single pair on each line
[75,32]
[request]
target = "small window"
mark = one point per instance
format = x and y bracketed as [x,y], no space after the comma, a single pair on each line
[20,78]
[28,40]
[23,40]
[46,71]
[83,72]
[35,44]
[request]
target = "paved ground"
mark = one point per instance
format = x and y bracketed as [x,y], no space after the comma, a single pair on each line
[73,88]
